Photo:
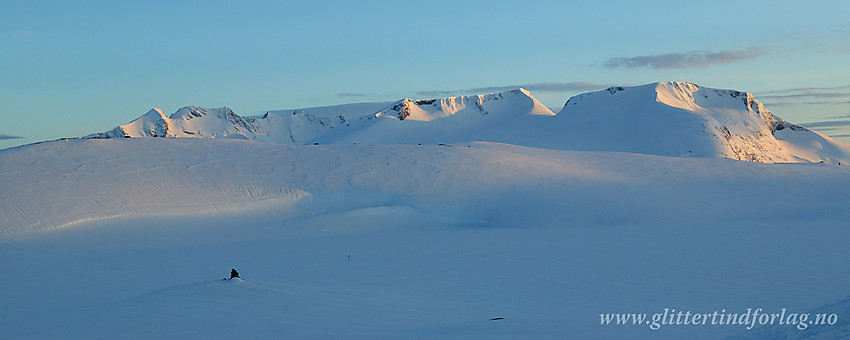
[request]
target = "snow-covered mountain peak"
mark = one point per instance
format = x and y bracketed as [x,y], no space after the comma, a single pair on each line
[154,113]
[679,94]
[685,119]
[690,96]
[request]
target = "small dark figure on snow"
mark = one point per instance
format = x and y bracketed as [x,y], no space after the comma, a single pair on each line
[233,273]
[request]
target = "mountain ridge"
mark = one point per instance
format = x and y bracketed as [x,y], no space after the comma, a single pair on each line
[679,119]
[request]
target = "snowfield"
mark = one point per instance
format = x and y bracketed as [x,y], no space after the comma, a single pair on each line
[483,216]
[131,237]
[56,184]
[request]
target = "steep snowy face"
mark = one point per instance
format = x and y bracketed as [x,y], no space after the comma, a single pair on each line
[684,119]
[151,124]
[742,125]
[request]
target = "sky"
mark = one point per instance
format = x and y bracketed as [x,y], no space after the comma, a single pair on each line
[70,68]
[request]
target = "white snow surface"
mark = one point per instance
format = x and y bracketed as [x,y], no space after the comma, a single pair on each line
[118,238]
[678,119]
[428,219]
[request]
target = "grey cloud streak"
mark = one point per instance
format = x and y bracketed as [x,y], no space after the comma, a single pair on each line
[684,60]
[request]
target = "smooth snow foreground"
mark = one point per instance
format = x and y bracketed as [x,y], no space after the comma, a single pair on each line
[131,238]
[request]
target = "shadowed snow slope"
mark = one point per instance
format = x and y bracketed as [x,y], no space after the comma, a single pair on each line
[55,184]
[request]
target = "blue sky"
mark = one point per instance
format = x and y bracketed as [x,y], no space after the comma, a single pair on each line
[72,68]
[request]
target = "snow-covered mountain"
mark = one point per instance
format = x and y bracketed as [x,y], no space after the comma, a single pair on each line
[678,119]
[684,119]
[444,120]
[298,126]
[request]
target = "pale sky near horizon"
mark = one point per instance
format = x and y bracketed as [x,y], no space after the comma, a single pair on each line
[73,68]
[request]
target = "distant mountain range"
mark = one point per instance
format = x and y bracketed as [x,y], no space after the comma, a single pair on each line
[669,118]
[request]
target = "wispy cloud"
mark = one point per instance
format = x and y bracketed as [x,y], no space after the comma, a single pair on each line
[827,124]
[791,103]
[808,89]
[352,94]
[684,60]
[533,87]
[777,104]
[807,96]
[9,137]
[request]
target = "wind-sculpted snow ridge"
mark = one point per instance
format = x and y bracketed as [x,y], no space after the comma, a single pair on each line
[55,184]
